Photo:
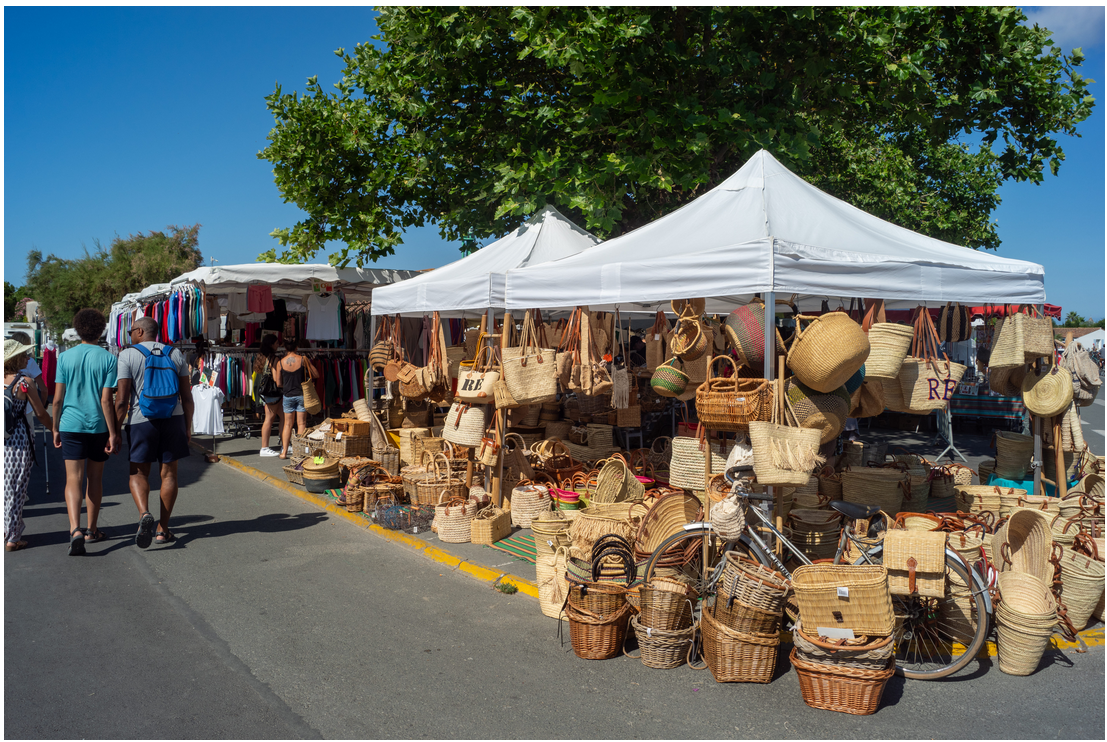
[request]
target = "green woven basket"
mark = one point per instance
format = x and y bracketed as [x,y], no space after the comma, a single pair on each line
[668,380]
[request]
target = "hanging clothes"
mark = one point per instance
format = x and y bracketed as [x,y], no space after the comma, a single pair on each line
[259,298]
[324,317]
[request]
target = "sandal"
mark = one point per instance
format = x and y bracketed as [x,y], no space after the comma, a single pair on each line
[92,535]
[165,537]
[145,531]
[77,543]
[15,545]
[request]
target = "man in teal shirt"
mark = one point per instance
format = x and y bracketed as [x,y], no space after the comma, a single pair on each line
[84,423]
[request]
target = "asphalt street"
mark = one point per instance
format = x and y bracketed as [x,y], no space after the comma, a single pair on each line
[269,618]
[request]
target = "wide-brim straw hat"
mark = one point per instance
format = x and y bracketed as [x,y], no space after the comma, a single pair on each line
[12,348]
[1049,393]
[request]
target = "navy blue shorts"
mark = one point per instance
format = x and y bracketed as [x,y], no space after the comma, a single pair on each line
[77,446]
[158,441]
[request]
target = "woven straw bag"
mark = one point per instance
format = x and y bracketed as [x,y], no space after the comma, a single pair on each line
[553,588]
[1047,394]
[825,413]
[731,404]
[686,467]
[490,525]
[784,452]
[668,380]
[875,486]
[1007,344]
[530,371]
[657,342]
[1037,334]
[1026,615]
[926,381]
[916,562]
[690,340]
[527,501]
[1013,454]
[954,323]
[745,329]
[1024,544]
[1081,586]
[830,350]
[465,424]
[454,520]
[888,343]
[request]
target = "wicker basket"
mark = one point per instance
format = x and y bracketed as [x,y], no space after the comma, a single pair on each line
[845,596]
[491,525]
[732,403]
[293,474]
[880,487]
[735,614]
[888,345]
[662,649]
[687,463]
[664,609]
[735,656]
[844,689]
[1026,615]
[389,458]
[441,486]
[596,638]
[860,653]
[553,588]
[454,520]
[1081,586]
[1013,454]
[751,583]
[828,351]
[1024,544]
[347,445]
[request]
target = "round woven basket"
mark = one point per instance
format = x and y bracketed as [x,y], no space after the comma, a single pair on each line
[888,345]
[745,329]
[753,584]
[1025,617]
[668,380]
[1013,454]
[1081,586]
[668,515]
[596,638]
[1047,394]
[827,352]
[825,412]
[662,649]
[857,453]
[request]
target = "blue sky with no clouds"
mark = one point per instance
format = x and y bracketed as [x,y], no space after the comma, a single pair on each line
[121,120]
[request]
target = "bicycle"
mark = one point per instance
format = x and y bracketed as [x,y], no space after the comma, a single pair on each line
[935,637]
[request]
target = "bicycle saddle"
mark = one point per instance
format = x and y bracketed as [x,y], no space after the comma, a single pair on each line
[853,511]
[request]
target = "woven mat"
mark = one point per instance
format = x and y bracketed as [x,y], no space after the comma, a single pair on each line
[520,546]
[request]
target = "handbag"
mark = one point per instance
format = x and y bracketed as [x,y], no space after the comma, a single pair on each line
[568,352]
[916,562]
[465,424]
[529,370]
[868,399]
[1037,334]
[657,342]
[783,452]
[489,451]
[954,323]
[266,387]
[474,385]
[311,398]
[381,353]
[927,382]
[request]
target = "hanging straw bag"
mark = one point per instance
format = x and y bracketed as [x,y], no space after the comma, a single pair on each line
[731,404]
[1007,344]
[745,329]
[657,342]
[830,350]
[784,452]
[825,413]
[530,371]
[1049,393]
[927,383]
[1037,334]
[668,380]
[475,385]
[465,424]
[311,398]
[954,323]
[686,468]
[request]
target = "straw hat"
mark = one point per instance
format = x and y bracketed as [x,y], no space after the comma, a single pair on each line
[12,348]
[1047,394]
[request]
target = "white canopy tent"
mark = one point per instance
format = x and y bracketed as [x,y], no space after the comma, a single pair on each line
[292,280]
[764,229]
[475,283]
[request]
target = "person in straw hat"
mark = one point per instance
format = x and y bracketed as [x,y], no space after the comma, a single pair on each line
[84,423]
[19,444]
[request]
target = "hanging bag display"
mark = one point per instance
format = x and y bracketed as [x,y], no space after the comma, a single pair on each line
[668,379]
[954,323]
[889,343]
[1037,334]
[783,452]
[926,381]
[731,404]
[381,352]
[745,329]
[474,385]
[657,342]
[529,370]
[465,424]
[568,353]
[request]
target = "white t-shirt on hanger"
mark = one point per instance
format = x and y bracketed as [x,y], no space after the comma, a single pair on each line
[322,318]
[207,416]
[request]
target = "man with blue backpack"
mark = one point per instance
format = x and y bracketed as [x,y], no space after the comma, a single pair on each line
[154,404]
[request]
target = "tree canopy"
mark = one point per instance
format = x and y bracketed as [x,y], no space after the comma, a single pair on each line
[474,118]
[12,296]
[100,278]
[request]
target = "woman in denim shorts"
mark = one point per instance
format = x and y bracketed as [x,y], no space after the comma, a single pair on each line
[289,375]
[265,365]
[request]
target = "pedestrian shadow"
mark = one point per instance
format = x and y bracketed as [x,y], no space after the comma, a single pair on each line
[195,527]
[31,511]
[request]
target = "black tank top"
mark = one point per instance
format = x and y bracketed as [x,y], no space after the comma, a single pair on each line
[291,381]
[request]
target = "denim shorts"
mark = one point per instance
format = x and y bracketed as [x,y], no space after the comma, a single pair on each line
[294,404]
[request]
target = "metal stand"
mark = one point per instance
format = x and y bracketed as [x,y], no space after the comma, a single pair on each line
[945,432]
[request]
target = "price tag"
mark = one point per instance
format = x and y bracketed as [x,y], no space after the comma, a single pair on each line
[320,459]
[338,436]
[843,592]
[833,632]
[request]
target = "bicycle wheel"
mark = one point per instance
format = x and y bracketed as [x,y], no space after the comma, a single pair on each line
[936,637]
[693,570]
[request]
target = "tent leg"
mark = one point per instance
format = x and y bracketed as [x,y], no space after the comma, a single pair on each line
[768,369]
[372,376]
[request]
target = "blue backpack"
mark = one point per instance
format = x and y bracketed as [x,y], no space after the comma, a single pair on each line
[160,386]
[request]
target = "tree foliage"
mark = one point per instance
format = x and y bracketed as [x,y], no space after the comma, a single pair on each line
[474,118]
[100,278]
[1072,319]
[12,295]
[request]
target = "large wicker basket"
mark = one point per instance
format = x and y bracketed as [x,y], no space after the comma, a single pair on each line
[735,656]
[732,403]
[845,596]
[845,689]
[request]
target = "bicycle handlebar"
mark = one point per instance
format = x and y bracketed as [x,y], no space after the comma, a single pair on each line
[731,476]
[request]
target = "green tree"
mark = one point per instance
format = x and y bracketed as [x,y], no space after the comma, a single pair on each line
[473,118]
[1072,319]
[12,295]
[102,277]
[1100,323]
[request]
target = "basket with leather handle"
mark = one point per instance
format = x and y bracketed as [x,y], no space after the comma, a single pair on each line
[926,380]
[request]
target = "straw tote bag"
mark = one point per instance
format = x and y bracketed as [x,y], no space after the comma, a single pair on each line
[465,424]
[311,398]
[530,371]
[1007,344]
[783,452]
[927,383]
[888,343]
[687,463]
[954,323]
[1037,334]
[830,350]
[474,385]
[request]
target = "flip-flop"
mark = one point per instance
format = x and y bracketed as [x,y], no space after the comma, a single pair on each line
[77,543]
[165,537]
[145,531]
[94,535]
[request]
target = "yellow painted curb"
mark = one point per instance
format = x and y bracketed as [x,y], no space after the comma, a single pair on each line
[399,537]
[525,586]
[481,573]
[442,557]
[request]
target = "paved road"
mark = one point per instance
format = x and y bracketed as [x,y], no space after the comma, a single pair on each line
[271,619]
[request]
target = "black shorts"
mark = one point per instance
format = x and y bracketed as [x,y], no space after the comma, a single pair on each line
[77,446]
[158,441]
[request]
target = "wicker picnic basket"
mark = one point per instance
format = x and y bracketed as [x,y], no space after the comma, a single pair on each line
[490,525]
[732,403]
[598,638]
[845,596]
[826,353]
[837,688]
[441,486]
[735,656]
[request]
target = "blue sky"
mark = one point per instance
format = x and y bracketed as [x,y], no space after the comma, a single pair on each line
[125,120]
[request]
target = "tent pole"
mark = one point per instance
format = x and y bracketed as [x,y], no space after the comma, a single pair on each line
[372,376]
[767,368]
